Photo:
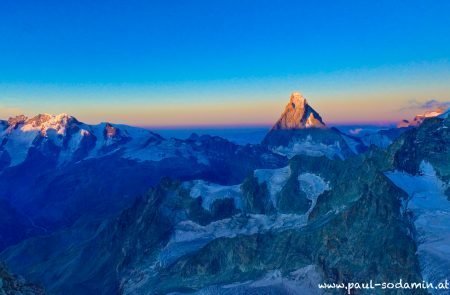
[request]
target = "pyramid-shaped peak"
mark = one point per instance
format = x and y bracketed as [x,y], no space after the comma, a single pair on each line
[298,114]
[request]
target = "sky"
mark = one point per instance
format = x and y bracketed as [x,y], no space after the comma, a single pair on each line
[223,63]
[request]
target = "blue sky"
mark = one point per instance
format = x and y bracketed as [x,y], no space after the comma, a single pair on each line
[97,58]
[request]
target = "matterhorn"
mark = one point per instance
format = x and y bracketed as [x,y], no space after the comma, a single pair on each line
[298,114]
[300,130]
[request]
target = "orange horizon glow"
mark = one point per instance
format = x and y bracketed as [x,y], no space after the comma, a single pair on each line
[380,96]
[244,114]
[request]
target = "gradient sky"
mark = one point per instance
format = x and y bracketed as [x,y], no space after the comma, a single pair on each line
[186,63]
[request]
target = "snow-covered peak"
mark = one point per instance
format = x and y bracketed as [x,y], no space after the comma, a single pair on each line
[70,140]
[13,122]
[418,119]
[46,122]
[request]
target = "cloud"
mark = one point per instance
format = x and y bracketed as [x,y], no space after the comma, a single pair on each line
[431,104]
[355,131]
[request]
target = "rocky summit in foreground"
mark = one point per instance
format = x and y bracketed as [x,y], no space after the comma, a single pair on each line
[308,206]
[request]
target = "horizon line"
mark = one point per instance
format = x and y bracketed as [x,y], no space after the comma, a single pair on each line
[261,125]
[224,126]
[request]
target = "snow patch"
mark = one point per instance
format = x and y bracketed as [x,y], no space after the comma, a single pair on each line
[210,192]
[165,149]
[431,209]
[275,180]
[56,123]
[313,186]
[310,148]
[301,281]
[72,146]
[18,143]
[190,236]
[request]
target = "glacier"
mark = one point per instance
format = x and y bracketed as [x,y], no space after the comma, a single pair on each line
[310,148]
[190,236]
[431,209]
[275,180]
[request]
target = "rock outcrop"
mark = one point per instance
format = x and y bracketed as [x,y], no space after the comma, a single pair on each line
[298,114]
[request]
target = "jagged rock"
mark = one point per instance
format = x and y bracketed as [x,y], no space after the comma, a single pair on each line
[277,230]
[300,130]
[14,285]
[298,114]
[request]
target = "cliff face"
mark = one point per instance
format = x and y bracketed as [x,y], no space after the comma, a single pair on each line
[300,130]
[298,114]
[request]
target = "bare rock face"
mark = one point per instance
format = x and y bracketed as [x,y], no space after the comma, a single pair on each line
[110,131]
[39,120]
[301,130]
[16,121]
[298,114]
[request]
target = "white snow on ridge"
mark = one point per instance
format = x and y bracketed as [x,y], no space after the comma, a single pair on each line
[98,131]
[134,141]
[73,145]
[190,236]
[18,143]
[313,186]
[20,139]
[211,192]
[138,147]
[275,180]
[135,137]
[310,148]
[169,148]
[431,209]
[301,281]
[304,280]
[57,123]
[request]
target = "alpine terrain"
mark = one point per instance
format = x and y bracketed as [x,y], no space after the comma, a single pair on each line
[114,209]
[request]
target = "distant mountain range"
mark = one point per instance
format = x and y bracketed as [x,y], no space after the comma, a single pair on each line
[418,119]
[115,209]
[57,170]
